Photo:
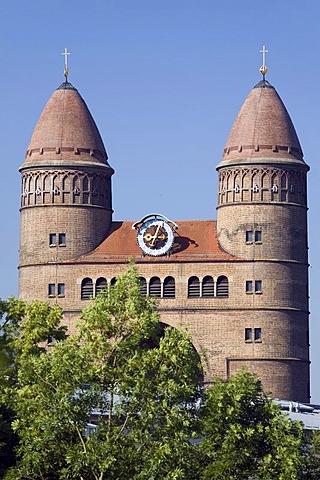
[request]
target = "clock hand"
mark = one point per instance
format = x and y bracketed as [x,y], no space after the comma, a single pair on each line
[147,237]
[152,238]
[155,236]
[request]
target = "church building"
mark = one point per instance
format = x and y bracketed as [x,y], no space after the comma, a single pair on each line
[239,283]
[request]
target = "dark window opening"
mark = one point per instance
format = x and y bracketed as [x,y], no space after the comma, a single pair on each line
[101,284]
[249,236]
[207,287]
[51,289]
[253,235]
[248,334]
[143,286]
[193,287]
[113,281]
[52,239]
[258,236]
[258,286]
[86,289]
[253,334]
[155,287]
[257,335]
[222,287]
[62,239]
[169,288]
[61,290]
[249,286]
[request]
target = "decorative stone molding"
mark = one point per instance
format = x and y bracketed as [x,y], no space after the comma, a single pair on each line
[76,150]
[264,184]
[257,148]
[66,187]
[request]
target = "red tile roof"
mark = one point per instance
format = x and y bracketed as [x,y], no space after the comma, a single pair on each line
[262,130]
[66,132]
[195,240]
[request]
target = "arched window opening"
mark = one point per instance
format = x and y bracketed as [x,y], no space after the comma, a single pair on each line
[37,190]
[85,189]
[47,189]
[193,287]
[143,286]
[101,284]
[113,281]
[86,289]
[155,287]
[208,287]
[66,188]
[169,287]
[222,287]
[76,189]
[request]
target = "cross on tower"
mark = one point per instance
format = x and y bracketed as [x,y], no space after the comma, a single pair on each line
[263,69]
[66,69]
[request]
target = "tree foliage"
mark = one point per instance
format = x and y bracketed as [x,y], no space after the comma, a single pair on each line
[140,379]
[246,436]
[140,382]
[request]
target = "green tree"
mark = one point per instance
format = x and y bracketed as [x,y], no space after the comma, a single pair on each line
[8,439]
[312,455]
[139,378]
[246,436]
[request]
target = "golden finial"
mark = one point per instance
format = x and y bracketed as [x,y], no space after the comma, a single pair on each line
[66,69]
[263,69]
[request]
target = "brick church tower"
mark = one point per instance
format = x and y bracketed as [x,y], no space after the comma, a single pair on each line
[240,283]
[66,187]
[262,218]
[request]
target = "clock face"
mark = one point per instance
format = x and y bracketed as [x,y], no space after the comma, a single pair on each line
[155,237]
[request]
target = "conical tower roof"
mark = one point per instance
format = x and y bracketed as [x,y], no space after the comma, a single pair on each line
[66,133]
[262,132]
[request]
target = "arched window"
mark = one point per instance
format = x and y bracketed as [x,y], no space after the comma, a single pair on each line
[169,288]
[222,287]
[101,284]
[207,287]
[86,289]
[85,189]
[155,287]
[47,189]
[193,287]
[76,189]
[143,286]
[113,281]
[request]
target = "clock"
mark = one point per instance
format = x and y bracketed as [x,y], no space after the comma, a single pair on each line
[155,235]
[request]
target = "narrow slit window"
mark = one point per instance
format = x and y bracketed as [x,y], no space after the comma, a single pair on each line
[51,290]
[257,335]
[62,239]
[248,335]
[61,290]
[258,236]
[52,239]
[249,286]
[249,236]
[258,286]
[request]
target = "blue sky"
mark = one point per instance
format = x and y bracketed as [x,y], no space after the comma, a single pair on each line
[164,80]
